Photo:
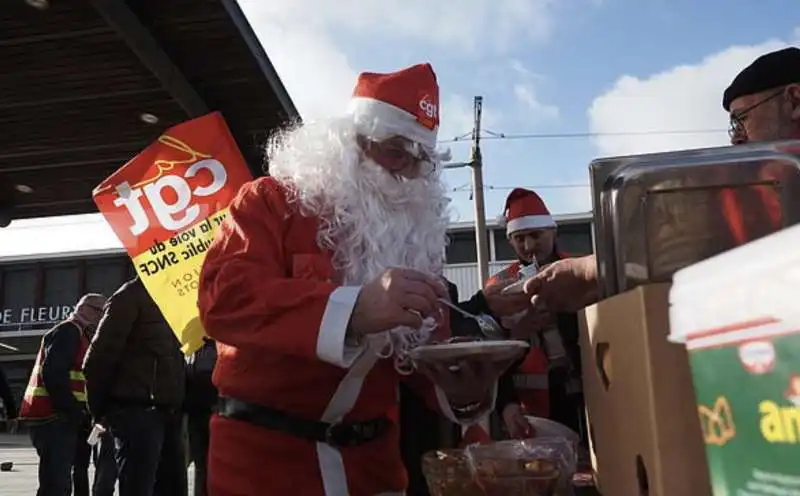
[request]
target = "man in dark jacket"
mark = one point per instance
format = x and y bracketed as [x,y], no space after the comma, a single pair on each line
[54,405]
[201,400]
[135,382]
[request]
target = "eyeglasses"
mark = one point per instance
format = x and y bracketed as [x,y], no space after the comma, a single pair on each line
[395,156]
[738,119]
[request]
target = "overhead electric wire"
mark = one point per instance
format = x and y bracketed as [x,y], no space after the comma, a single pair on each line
[524,136]
[467,188]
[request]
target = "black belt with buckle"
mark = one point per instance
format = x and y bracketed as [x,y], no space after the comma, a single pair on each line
[339,435]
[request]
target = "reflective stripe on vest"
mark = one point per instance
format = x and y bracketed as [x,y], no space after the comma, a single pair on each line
[36,403]
[531,380]
[553,344]
[78,390]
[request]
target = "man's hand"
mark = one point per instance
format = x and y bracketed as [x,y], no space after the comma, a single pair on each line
[565,286]
[398,297]
[517,425]
[533,321]
[503,305]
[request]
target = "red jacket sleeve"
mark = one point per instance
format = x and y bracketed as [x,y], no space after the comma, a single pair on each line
[252,295]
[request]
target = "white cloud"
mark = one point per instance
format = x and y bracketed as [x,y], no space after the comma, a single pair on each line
[683,98]
[526,94]
[526,73]
[457,117]
[467,25]
[525,90]
[320,78]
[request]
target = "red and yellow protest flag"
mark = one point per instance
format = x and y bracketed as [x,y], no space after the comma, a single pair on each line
[166,204]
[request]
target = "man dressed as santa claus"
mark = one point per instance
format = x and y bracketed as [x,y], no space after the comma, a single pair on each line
[323,278]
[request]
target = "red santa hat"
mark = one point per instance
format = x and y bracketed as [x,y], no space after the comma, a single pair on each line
[403,103]
[525,210]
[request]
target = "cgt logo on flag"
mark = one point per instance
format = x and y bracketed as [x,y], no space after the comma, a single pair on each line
[165,206]
[181,210]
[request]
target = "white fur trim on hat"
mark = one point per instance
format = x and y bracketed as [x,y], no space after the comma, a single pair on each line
[381,120]
[530,222]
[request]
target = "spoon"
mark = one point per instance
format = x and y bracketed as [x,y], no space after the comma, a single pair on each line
[488,326]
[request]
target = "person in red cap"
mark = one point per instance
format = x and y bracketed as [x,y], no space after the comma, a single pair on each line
[547,381]
[323,278]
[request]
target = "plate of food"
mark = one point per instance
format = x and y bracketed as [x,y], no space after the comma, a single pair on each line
[469,350]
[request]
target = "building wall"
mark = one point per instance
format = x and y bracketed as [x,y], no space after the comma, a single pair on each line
[575,238]
[34,295]
[465,276]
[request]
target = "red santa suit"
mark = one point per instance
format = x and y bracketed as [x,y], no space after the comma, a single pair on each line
[269,296]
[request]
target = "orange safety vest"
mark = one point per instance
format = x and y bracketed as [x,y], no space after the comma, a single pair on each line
[531,377]
[36,404]
[735,207]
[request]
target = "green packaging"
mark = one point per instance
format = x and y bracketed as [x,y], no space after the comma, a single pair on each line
[747,382]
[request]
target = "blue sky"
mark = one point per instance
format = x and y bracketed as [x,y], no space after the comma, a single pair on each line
[542,66]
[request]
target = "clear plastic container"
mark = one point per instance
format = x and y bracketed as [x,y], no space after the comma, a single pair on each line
[550,428]
[542,466]
[447,473]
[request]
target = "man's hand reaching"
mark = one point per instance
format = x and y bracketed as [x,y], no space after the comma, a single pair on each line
[503,304]
[565,286]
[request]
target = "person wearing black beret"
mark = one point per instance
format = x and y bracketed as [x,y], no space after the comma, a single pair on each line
[763,102]
[764,99]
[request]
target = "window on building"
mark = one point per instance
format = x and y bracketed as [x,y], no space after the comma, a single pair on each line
[61,285]
[502,248]
[19,292]
[461,248]
[106,275]
[575,239]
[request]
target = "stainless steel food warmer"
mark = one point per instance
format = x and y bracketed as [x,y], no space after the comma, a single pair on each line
[658,213]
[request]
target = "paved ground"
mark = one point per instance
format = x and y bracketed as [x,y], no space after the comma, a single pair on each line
[21,481]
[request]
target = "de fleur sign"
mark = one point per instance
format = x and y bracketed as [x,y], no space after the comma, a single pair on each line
[31,315]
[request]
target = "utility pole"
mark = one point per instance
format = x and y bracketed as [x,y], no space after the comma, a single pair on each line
[476,163]
[481,244]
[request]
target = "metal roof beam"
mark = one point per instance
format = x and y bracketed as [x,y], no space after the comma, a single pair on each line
[271,75]
[127,24]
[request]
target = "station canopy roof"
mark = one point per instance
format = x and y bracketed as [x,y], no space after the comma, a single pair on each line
[87,84]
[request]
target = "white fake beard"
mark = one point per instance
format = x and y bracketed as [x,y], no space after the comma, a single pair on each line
[371,220]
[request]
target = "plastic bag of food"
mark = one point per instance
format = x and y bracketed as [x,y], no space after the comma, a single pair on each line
[447,473]
[541,466]
[550,428]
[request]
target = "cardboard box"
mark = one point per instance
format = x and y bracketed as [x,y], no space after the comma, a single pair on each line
[644,426]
